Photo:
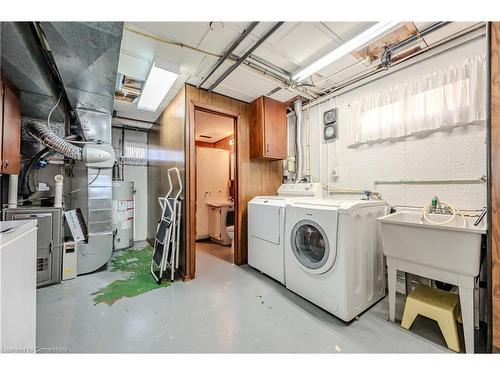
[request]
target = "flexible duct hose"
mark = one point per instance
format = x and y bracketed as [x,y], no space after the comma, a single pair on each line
[47,137]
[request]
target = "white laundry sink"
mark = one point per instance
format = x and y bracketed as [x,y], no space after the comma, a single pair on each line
[450,247]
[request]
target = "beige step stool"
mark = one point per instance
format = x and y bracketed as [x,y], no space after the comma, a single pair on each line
[435,304]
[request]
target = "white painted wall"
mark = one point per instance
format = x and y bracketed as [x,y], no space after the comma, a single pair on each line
[139,176]
[456,154]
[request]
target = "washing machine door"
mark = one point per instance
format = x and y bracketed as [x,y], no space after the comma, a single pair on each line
[312,247]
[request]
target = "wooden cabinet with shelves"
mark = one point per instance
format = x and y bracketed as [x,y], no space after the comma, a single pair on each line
[10,128]
[268,129]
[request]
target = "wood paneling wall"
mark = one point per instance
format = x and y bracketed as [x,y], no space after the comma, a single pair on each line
[255,177]
[495,182]
[154,170]
[172,154]
[204,144]
[224,144]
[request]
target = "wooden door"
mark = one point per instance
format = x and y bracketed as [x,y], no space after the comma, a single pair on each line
[275,132]
[11,133]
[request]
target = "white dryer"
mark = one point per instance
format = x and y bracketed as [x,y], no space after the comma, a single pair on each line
[333,254]
[266,227]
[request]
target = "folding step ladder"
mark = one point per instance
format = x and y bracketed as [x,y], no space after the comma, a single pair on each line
[166,246]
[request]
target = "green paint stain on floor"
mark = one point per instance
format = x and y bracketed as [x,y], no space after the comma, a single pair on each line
[137,279]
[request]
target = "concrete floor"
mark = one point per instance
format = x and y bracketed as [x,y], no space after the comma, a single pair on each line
[225,309]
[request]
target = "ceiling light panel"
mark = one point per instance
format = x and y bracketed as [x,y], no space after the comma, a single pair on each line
[161,77]
[358,41]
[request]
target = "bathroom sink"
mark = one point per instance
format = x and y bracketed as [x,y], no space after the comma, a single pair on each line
[450,247]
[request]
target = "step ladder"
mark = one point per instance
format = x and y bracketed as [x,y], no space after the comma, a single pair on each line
[166,246]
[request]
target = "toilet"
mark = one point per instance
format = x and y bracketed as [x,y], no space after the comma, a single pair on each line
[230,234]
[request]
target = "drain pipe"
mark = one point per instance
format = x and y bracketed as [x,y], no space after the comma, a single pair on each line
[13,179]
[58,191]
[297,109]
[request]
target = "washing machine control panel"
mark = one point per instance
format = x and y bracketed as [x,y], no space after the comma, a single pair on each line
[306,189]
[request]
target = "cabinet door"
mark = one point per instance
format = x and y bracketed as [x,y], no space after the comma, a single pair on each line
[275,132]
[11,135]
[45,242]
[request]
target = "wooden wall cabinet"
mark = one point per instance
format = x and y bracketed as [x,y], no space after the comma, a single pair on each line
[268,129]
[10,128]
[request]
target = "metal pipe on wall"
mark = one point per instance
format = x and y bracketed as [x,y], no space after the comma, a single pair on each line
[297,108]
[419,35]
[480,180]
[489,261]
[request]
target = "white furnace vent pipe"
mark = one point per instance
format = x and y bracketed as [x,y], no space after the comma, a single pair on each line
[297,108]
[13,179]
[58,191]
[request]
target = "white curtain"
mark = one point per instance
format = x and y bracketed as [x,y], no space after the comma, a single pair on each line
[453,96]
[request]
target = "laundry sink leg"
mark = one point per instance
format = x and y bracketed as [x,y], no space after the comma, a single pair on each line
[391,279]
[466,291]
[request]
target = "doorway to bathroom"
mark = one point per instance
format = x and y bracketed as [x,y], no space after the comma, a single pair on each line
[213,188]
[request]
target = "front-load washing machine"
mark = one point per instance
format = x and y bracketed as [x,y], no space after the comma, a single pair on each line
[266,227]
[333,254]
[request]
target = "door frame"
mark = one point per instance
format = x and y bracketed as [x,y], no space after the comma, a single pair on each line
[194,105]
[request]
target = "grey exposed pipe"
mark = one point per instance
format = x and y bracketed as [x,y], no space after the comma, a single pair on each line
[235,44]
[244,57]
[270,65]
[47,137]
[413,38]
[297,108]
[489,238]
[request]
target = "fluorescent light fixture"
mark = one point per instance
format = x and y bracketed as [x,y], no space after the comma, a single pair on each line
[161,77]
[349,46]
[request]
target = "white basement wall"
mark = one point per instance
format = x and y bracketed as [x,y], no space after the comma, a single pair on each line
[456,154]
[139,176]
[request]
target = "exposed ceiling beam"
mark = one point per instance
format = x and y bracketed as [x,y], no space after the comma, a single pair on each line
[244,57]
[228,52]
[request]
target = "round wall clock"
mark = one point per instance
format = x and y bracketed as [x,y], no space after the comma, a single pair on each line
[330,116]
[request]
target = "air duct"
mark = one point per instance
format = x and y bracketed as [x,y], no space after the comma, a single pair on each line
[47,137]
[88,76]
[297,108]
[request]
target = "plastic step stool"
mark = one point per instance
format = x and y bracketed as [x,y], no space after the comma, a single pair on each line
[434,304]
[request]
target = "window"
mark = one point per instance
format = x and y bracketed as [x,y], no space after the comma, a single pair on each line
[450,97]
